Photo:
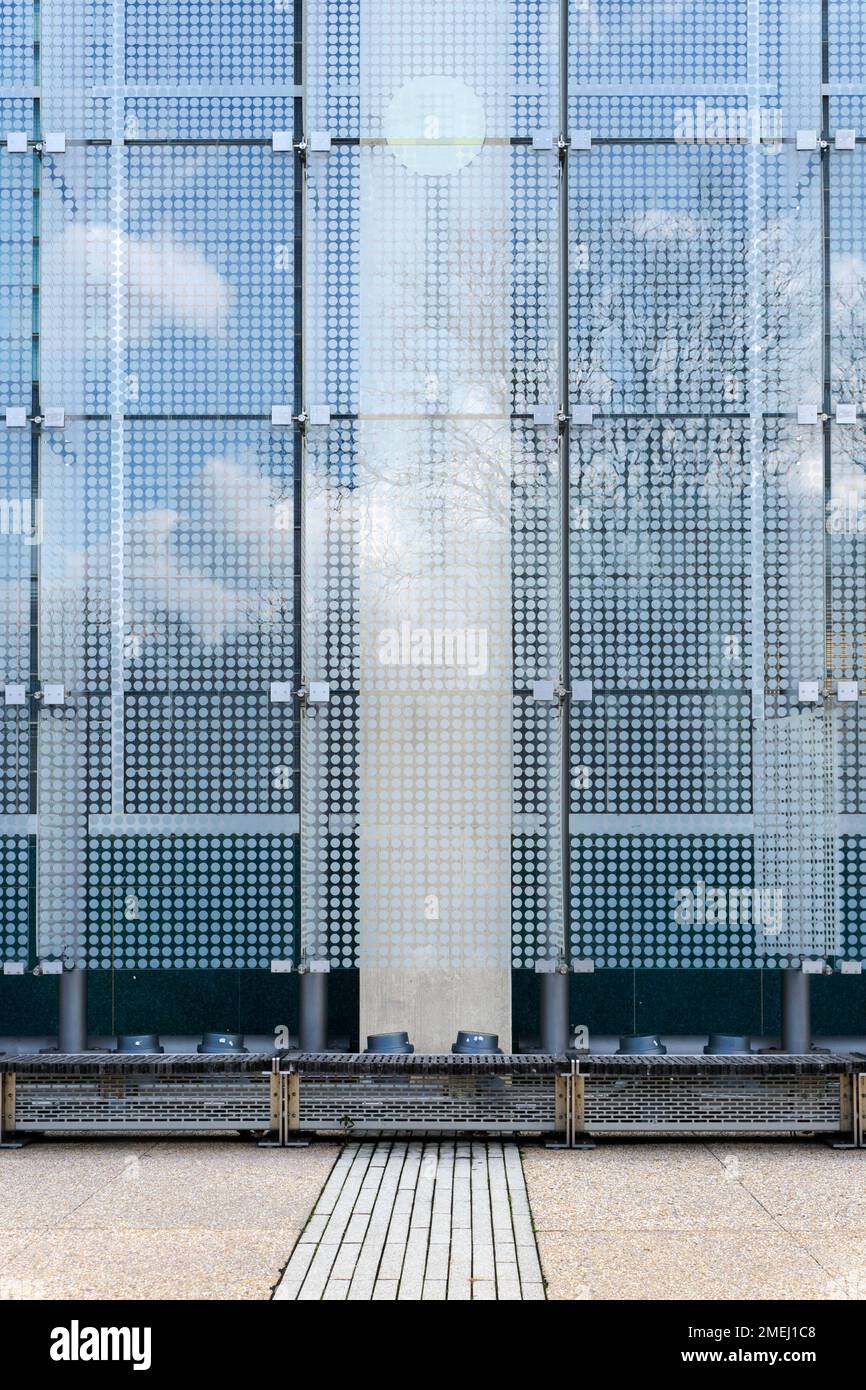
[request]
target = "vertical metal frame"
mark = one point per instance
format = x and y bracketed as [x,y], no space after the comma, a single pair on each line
[564,489]
[7,1109]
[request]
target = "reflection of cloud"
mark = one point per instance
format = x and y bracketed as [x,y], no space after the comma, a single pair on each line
[166,283]
[219,563]
[226,527]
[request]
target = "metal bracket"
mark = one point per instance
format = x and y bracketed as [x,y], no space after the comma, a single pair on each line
[281,692]
[48,967]
[809,693]
[51,694]
[317,142]
[544,691]
[816,967]
[315,693]
[314,967]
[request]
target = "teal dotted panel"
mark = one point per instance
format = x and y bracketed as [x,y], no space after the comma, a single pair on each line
[177,902]
[16,43]
[626,890]
[853,886]
[14,898]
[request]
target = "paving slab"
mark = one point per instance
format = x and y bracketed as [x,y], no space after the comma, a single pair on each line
[724,1221]
[153,1218]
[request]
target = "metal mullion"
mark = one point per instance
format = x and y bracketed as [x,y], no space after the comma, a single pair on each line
[35,502]
[826,331]
[564,488]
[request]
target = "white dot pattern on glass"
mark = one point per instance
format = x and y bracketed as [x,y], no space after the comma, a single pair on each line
[166,578]
[623,889]
[618,43]
[657,304]
[17,252]
[190,902]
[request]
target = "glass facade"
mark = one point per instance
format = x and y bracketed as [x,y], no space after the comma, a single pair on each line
[434,498]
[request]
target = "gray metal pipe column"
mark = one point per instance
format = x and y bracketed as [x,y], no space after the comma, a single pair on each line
[72,1026]
[314,1006]
[796,1012]
[553,990]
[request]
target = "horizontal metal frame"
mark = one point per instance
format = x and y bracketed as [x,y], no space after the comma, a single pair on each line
[265,823]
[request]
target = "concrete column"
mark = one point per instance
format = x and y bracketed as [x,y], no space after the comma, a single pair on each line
[553,996]
[314,1006]
[72,1029]
[796,1013]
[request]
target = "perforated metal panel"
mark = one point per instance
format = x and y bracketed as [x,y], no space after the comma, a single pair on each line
[141,1102]
[754,1105]
[500,1104]
[796,844]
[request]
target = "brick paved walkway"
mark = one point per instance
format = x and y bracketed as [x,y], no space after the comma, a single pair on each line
[413,1219]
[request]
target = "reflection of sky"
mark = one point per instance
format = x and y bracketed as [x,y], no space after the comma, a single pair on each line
[659,40]
[206,259]
[209,544]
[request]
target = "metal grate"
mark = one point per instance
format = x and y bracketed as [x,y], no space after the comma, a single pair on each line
[754,1104]
[45,1101]
[499,1104]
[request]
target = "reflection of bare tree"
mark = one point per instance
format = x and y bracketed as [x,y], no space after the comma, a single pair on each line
[663,313]
[434,481]
[671,316]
